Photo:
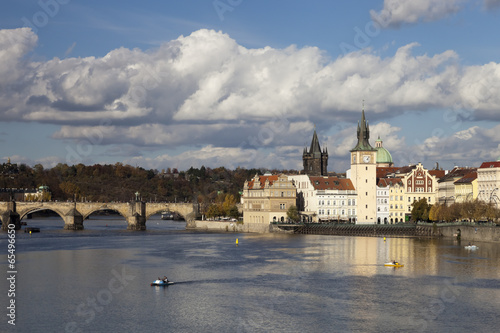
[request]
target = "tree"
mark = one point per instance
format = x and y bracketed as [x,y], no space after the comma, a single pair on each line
[214,211]
[228,204]
[420,210]
[293,213]
[434,212]
[70,190]
[234,212]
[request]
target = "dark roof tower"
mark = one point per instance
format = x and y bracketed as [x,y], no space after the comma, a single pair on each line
[363,135]
[315,161]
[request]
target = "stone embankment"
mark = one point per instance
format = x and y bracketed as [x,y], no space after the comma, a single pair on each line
[226,226]
[472,233]
[467,232]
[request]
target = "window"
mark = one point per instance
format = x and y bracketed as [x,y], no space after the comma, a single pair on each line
[282,206]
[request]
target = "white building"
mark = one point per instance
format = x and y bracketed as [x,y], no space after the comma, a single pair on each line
[488,182]
[323,198]
[383,212]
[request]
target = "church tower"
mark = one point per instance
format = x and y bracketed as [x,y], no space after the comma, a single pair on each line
[315,161]
[364,174]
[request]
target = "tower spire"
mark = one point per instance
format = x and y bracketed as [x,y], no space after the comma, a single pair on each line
[363,133]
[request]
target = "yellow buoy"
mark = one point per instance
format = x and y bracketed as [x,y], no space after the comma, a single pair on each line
[384,239]
[236,241]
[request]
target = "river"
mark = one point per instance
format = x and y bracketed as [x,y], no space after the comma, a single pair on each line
[98,280]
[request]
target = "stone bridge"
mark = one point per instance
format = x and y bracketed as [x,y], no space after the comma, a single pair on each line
[136,213]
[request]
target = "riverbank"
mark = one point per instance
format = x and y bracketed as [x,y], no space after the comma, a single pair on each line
[226,226]
[471,233]
[467,232]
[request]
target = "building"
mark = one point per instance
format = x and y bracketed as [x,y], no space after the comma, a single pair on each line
[419,184]
[397,212]
[267,198]
[466,188]
[315,162]
[323,198]
[383,189]
[446,184]
[363,174]
[488,182]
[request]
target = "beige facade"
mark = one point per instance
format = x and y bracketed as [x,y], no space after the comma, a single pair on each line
[466,188]
[267,198]
[419,184]
[397,209]
[446,185]
[363,175]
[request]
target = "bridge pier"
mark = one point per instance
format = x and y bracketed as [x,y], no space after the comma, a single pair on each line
[73,220]
[11,217]
[137,216]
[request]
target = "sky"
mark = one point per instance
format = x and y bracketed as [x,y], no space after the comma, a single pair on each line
[245,83]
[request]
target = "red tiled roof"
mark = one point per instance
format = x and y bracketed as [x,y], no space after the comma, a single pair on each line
[456,174]
[495,164]
[437,173]
[331,183]
[382,172]
[262,181]
[384,182]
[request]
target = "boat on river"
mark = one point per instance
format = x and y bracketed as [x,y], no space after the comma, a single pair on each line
[161,283]
[471,247]
[393,264]
[167,215]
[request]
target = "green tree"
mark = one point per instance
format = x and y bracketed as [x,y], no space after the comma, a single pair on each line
[420,210]
[234,213]
[293,213]
[214,211]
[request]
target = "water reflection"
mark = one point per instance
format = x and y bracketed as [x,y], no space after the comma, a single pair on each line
[291,283]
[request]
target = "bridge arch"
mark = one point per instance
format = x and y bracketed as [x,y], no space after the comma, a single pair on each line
[25,212]
[102,209]
[187,211]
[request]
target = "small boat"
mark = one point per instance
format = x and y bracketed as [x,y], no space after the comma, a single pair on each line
[31,229]
[393,264]
[471,247]
[166,215]
[162,283]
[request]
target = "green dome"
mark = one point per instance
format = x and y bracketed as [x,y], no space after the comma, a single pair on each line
[383,155]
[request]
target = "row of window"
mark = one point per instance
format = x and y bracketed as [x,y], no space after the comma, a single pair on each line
[350,202]
[336,212]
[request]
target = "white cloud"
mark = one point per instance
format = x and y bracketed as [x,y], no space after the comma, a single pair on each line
[214,156]
[397,12]
[206,90]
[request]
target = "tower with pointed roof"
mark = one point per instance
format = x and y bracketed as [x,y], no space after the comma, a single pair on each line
[315,161]
[363,174]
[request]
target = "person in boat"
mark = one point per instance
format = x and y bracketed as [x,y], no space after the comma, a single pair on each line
[165,279]
[394,262]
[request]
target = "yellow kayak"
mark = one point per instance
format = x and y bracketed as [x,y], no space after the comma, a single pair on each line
[391,264]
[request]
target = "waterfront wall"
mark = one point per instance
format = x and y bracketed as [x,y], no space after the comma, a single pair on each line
[472,233]
[226,226]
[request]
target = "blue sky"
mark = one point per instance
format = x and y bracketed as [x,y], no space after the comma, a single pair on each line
[244,83]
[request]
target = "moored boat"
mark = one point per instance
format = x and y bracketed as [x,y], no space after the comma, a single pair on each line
[471,247]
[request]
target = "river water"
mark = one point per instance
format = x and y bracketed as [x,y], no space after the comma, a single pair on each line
[98,280]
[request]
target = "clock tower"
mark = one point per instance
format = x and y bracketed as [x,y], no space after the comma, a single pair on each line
[364,174]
